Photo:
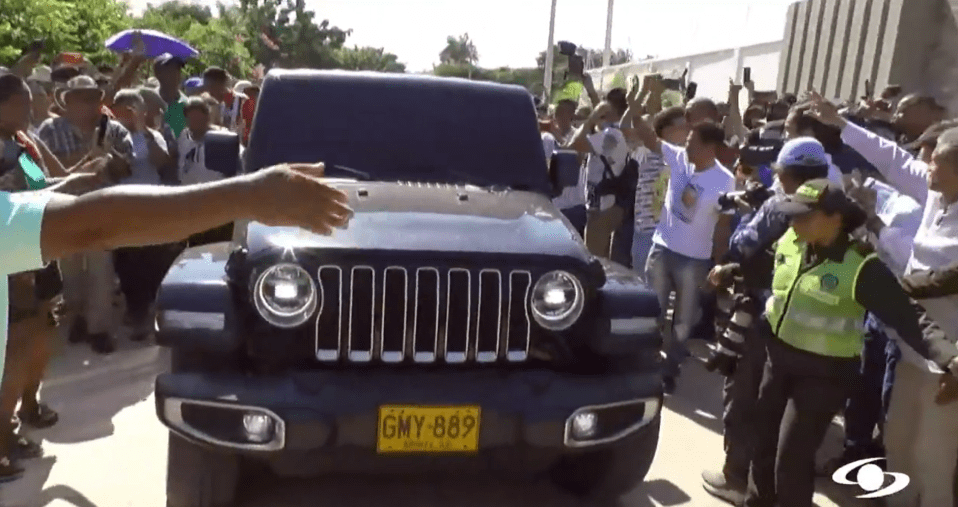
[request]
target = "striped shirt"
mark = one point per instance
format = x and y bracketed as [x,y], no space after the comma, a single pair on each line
[65,140]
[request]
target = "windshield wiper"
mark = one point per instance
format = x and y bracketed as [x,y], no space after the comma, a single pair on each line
[359,175]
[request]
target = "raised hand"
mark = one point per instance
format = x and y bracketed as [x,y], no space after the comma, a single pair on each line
[824,111]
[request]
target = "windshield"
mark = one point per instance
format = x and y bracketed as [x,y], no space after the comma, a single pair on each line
[400,128]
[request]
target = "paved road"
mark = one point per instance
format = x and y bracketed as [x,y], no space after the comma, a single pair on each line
[109,451]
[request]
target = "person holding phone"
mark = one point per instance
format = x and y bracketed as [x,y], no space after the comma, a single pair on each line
[79,134]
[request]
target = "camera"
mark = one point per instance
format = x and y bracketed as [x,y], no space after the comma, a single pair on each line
[753,196]
[567,48]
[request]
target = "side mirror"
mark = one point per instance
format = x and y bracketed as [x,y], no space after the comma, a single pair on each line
[565,170]
[222,152]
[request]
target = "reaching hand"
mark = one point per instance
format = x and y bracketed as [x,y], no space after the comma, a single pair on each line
[139,46]
[866,197]
[824,111]
[296,195]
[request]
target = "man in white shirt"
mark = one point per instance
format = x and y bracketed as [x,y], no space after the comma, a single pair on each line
[692,225]
[921,436]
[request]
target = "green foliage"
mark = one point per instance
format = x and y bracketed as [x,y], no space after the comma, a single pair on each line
[367,58]
[220,40]
[459,51]
[301,42]
[74,25]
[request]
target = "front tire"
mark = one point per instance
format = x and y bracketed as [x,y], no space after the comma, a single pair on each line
[200,477]
[609,473]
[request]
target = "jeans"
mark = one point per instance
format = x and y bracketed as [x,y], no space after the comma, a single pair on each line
[577,216]
[667,271]
[641,246]
[868,405]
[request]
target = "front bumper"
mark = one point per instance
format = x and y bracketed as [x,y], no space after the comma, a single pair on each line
[322,415]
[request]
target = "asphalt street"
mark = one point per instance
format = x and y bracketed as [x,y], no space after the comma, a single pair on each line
[110,451]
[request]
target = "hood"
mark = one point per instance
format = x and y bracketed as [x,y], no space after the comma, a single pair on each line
[436,218]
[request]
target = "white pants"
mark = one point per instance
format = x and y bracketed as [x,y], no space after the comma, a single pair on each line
[921,439]
[88,290]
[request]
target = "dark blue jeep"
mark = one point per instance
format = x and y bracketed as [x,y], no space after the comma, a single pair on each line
[458,322]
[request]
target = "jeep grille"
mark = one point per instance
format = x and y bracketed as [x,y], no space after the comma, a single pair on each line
[422,315]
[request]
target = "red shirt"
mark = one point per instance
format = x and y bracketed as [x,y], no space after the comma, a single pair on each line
[247,111]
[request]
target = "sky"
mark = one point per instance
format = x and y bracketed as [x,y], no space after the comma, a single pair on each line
[513,32]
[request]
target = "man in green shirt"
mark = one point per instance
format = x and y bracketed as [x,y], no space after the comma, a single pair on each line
[168,70]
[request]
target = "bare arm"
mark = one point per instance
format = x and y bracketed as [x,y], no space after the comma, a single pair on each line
[75,224]
[52,163]
[734,124]
[720,239]
[590,90]
[580,141]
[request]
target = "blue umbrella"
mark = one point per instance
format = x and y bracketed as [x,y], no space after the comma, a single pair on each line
[156,44]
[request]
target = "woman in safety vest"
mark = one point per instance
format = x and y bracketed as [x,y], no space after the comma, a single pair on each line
[823,284]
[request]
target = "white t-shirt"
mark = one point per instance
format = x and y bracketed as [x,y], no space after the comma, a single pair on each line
[691,210]
[143,171]
[612,144]
[192,167]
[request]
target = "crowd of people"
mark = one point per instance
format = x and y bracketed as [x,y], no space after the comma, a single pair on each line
[814,240]
[78,128]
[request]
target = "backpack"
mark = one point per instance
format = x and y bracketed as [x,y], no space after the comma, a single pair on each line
[622,187]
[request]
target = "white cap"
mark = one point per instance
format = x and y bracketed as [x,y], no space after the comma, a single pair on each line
[241,86]
[41,73]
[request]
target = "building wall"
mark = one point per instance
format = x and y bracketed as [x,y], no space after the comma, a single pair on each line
[834,46]
[711,71]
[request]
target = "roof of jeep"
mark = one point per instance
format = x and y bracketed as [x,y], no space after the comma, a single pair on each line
[399,127]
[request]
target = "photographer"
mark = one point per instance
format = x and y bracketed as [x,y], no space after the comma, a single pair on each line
[740,353]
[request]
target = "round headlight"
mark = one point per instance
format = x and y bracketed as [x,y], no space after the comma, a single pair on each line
[285,295]
[557,300]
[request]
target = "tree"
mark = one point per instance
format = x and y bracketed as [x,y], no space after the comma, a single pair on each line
[459,50]
[368,58]
[217,38]
[282,32]
[67,25]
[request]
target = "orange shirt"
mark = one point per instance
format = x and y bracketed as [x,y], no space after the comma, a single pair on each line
[247,112]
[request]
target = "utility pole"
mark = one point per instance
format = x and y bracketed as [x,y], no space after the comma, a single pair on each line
[607,56]
[550,54]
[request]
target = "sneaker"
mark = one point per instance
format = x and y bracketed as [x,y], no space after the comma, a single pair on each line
[102,343]
[717,484]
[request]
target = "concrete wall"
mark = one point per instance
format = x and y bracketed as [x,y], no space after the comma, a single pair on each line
[835,45]
[711,71]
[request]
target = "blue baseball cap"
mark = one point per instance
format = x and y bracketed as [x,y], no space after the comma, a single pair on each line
[802,152]
[193,82]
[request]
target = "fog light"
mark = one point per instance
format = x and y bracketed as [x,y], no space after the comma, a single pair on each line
[258,427]
[584,425]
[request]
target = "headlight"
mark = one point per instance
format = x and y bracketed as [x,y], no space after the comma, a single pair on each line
[285,295]
[557,300]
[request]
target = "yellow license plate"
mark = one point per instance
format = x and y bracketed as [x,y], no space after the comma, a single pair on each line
[410,428]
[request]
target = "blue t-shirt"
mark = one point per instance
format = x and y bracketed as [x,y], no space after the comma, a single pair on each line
[21,216]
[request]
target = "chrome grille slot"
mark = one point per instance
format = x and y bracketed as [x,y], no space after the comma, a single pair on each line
[329,321]
[458,313]
[489,316]
[395,314]
[362,316]
[518,327]
[425,314]
[426,322]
